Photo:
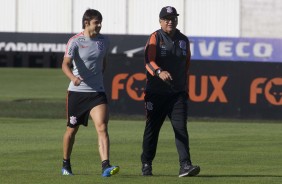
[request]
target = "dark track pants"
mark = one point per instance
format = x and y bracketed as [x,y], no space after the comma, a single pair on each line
[157,108]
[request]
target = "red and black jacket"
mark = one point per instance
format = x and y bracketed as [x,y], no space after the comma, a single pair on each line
[169,54]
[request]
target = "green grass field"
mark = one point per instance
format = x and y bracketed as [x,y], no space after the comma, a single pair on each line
[32,126]
[35,93]
[31,152]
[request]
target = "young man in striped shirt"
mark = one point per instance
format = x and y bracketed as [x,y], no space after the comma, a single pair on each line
[87,52]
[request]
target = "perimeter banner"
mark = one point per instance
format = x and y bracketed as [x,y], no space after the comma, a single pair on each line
[202,48]
[251,90]
[229,77]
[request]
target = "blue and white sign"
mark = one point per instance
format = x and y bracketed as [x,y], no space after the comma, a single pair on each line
[202,48]
[236,49]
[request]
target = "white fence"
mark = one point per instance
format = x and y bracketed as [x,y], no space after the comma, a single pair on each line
[225,18]
[137,17]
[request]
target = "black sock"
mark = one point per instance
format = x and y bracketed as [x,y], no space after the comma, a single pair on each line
[66,162]
[105,164]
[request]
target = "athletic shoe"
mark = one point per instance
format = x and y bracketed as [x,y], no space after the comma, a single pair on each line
[109,171]
[189,170]
[66,171]
[147,169]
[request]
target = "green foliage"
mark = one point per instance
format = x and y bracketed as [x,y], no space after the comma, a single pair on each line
[228,152]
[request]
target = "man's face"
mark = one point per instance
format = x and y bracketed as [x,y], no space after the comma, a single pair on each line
[169,23]
[94,26]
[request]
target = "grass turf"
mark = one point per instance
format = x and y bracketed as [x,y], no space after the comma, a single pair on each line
[228,152]
[32,93]
[31,149]
[30,83]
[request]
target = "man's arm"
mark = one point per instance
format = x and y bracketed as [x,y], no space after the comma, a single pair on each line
[67,71]
[150,55]
[150,60]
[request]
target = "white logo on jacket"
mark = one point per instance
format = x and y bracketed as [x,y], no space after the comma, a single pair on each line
[149,106]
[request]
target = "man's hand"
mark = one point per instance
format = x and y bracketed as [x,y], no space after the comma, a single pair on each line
[165,76]
[76,81]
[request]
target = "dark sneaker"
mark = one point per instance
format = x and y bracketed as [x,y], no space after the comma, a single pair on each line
[66,171]
[189,170]
[147,169]
[109,171]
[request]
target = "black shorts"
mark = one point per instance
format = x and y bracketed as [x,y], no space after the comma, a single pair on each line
[79,105]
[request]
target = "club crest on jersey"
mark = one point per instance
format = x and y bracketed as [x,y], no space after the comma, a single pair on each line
[182,45]
[100,45]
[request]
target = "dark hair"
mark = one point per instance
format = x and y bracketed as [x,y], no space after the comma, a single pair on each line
[91,14]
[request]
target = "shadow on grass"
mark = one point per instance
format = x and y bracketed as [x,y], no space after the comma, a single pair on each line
[205,176]
[33,108]
[240,176]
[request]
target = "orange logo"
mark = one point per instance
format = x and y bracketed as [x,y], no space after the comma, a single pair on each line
[133,85]
[202,94]
[271,89]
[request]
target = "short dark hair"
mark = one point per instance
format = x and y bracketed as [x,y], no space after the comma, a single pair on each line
[91,14]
